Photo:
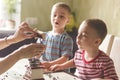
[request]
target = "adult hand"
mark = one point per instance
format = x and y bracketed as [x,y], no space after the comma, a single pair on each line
[24,32]
[31,50]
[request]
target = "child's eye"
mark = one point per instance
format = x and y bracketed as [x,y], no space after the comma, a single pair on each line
[84,34]
[54,15]
[61,16]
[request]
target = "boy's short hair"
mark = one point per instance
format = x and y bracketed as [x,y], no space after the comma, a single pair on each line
[63,5]
[99,26]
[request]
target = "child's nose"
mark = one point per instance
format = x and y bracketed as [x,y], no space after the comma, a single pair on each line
[78,37]
[56,18]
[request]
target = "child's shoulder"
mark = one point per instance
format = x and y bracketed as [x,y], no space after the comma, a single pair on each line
[103,53]
[104,56]
[66,35]
[79,51]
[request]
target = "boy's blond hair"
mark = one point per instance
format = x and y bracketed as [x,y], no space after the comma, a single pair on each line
[63,5]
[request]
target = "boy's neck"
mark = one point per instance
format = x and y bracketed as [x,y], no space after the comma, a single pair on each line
[57,32]
[91,54]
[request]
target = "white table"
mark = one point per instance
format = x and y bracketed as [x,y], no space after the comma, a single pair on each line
[18,70]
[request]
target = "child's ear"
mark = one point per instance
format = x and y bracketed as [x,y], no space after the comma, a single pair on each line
[68,21]
[98,42]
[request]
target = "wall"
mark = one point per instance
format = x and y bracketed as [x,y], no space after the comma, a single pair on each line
[40,9]
[107,10]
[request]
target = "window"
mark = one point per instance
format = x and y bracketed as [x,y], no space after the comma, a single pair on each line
[9,14]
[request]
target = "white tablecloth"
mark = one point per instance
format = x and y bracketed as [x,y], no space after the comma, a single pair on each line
[16,72]
[19,69]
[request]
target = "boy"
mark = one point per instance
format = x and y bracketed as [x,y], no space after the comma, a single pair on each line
[58,43]
[90,62]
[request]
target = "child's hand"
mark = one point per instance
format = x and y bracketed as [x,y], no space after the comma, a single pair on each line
[97,79]
[46,64]
[100,79]
[56,67]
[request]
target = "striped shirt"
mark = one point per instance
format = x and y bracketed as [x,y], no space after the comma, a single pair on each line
[57,46]
[100,67]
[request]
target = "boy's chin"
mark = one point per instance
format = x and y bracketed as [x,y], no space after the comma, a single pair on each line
[79,47]
[56,25]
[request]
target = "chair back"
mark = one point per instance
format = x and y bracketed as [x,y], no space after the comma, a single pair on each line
[107,44]
[115,54]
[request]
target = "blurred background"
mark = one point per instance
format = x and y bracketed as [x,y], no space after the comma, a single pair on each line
[37,13]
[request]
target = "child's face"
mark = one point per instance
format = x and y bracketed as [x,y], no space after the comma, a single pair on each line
[59,17]
[87,37]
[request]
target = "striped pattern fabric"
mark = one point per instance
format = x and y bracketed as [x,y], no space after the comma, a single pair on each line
[57,46]
[100,67]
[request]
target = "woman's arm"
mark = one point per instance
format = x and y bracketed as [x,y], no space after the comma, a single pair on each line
[20,34]
[6,41]
[26,51]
